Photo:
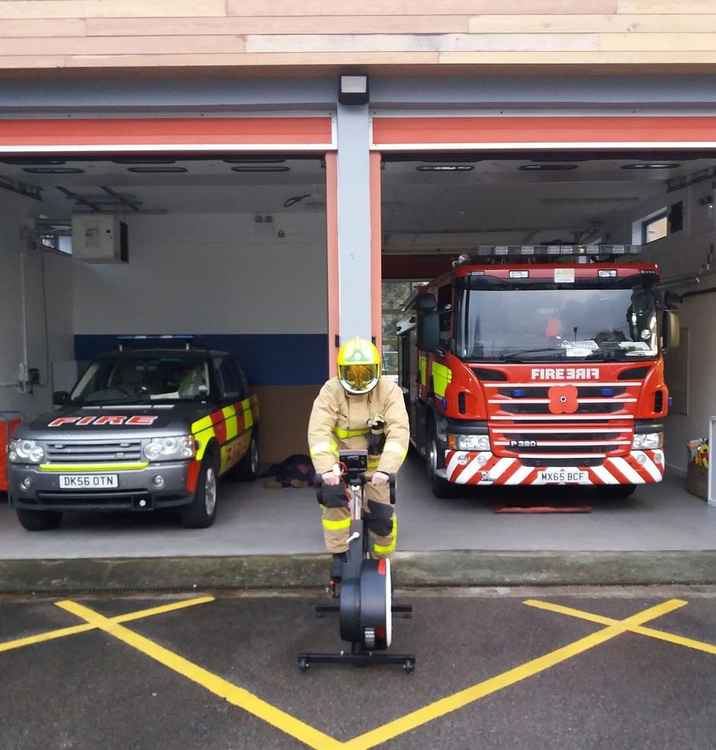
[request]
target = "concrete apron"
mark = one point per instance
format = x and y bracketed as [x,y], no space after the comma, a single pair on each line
[412,569]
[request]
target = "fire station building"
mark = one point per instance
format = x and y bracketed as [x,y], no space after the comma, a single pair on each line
[288,173]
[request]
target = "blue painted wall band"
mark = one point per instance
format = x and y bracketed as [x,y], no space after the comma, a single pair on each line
[267,359]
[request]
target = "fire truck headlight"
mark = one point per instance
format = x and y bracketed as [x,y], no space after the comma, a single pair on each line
[26,452]
[648,441]
[169,448]
[469,442]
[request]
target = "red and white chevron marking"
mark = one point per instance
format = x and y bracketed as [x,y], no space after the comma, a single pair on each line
[469,467]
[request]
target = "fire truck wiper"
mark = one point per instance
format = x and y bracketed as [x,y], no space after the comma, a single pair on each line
[513,356]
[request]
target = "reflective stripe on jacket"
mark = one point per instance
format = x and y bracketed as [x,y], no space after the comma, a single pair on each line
[339,421]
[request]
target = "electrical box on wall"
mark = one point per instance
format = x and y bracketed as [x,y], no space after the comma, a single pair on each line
[100,238]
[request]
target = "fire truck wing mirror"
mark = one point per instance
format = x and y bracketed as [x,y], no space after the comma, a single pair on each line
[429,331]
[426,303]
[672,330]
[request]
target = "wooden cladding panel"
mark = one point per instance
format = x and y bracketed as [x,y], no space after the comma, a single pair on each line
[185,33]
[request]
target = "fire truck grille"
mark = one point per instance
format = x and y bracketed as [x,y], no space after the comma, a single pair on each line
[94,451]
[537,462]
[544,447]
[515,407]
[543,392]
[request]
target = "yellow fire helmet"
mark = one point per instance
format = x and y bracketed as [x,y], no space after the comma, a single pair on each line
[358,366]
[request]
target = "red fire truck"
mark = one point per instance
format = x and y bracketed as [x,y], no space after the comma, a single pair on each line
[539,366]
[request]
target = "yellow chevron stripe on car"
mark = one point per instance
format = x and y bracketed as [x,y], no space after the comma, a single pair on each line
[248,413]
[232,427]
[202,424]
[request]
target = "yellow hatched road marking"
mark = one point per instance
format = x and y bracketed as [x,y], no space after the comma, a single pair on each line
[223,688]
[661,635]
[51,635]
[313,737]
[500,682]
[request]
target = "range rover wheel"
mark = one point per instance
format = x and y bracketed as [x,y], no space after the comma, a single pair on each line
[39,520]
[202,511]
[248,468]
[441,487]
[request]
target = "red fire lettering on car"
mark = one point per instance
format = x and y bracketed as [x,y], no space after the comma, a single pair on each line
[113,420]
[61,421]
[84,421]
[141,420]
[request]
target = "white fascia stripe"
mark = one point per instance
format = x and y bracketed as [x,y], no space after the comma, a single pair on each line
[551,430]
[570,443]
[556,145]
[562,455]
[633,476]
[469,471]
[604,475]
[500,468]
[648,465]
[548,383]
[522,473]
[454,462]
[568,418]
[547,401]
[155,147]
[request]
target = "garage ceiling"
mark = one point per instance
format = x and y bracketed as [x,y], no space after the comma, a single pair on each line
[240,184]
[497,200]
[520,200]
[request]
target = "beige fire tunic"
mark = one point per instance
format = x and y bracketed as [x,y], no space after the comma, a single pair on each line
[339,421]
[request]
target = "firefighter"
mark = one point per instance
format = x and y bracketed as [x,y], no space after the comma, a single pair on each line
[359,410]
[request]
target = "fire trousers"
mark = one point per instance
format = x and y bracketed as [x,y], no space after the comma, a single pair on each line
[381,520]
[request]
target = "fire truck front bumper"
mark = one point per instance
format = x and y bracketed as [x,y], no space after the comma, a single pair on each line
[485,468]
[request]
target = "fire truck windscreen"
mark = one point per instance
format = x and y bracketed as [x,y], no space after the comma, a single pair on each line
[507,324]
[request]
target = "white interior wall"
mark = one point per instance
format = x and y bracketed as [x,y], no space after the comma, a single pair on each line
[210,273]
[685,253]
[54,312]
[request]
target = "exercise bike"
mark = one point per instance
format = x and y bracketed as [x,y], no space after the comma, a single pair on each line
[366,608]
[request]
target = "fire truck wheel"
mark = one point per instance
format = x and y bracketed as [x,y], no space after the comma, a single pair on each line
[39,520]
[202,511]
[441,487]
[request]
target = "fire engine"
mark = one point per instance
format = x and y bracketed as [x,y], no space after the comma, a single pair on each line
[539,366]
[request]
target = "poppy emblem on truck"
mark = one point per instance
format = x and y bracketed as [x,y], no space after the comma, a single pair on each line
[563,399]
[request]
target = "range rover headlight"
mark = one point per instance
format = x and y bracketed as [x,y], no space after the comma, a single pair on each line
[469,442]
[26,452]
[649,441]
[169,448]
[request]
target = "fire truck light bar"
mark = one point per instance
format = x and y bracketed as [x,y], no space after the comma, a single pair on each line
[493,251]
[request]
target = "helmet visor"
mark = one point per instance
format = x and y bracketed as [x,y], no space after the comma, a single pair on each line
[358,378]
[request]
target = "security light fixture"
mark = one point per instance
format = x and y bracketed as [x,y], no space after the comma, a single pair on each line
[157,170]
[445,168]
[549,167]
[652,165]
[258,169]
[53,170]
[353,89]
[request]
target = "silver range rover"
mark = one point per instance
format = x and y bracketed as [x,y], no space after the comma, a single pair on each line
[142,430]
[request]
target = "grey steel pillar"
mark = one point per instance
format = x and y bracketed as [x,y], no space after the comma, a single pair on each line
[354,235]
